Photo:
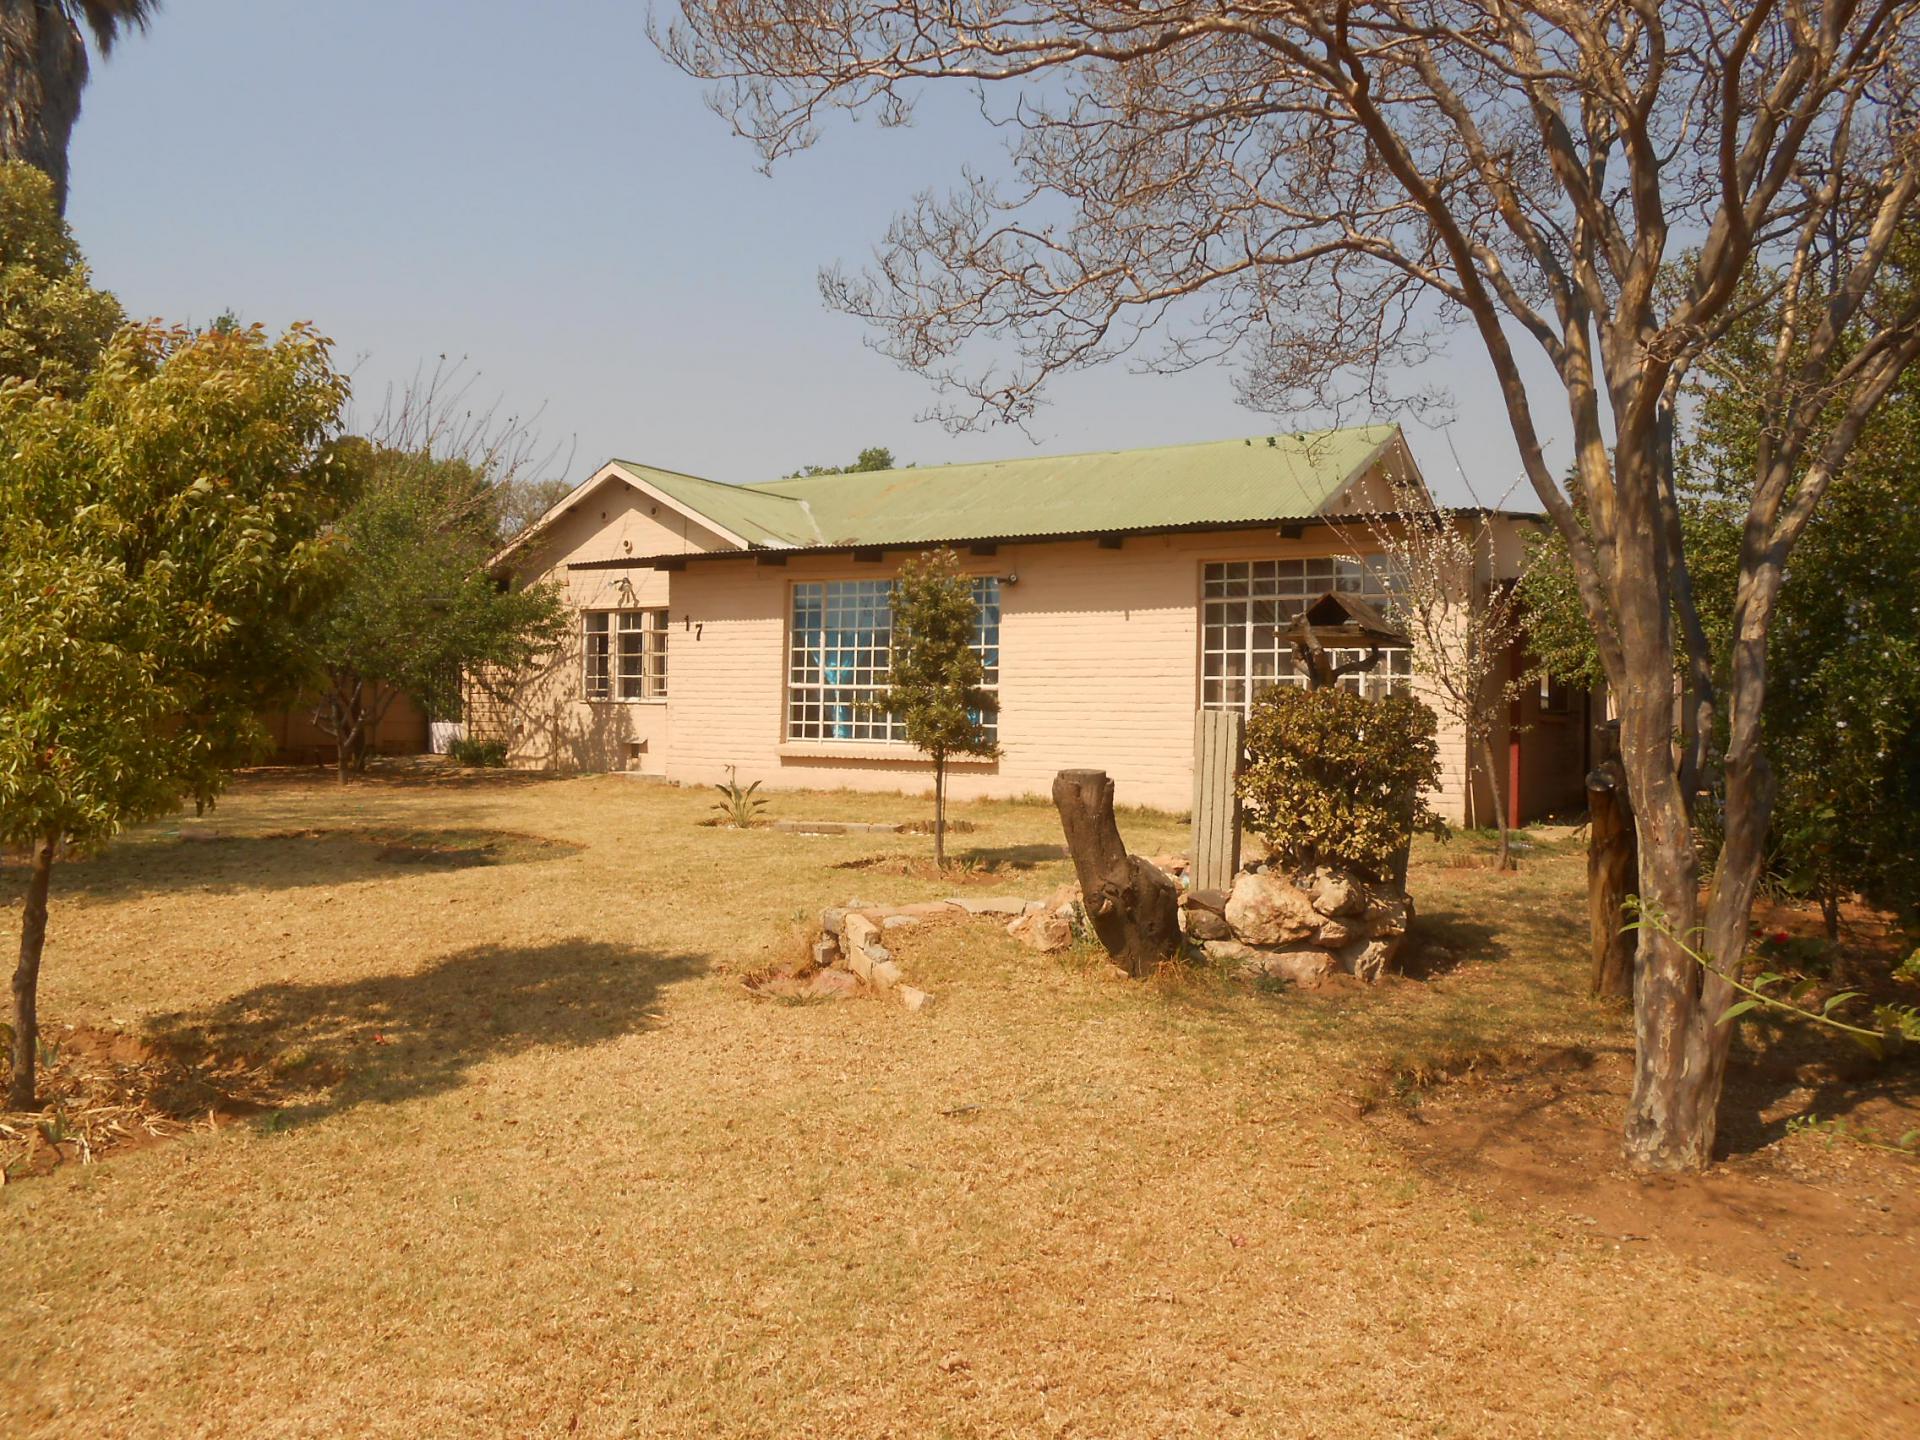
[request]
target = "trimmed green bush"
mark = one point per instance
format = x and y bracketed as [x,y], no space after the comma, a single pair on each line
[1333,777]
[491,754]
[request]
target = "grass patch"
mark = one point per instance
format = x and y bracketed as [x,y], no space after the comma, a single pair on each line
[536,1163]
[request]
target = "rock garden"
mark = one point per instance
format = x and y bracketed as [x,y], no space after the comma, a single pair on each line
[1333,784]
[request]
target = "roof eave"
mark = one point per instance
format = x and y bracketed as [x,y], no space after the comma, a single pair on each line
[1281,524]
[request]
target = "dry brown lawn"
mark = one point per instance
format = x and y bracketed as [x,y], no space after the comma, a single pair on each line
[539,1165]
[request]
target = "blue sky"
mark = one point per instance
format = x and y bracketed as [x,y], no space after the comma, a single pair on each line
[530,187]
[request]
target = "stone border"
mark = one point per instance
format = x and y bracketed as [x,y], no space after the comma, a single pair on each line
[851,936]
[1299,927]
[836,827]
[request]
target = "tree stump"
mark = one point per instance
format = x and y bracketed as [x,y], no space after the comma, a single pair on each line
[1132,906]
[1613,871]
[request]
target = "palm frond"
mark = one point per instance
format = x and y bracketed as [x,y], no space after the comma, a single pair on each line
[109,19]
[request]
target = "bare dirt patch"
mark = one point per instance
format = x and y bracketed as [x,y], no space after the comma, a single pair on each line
[1812,1213]
[105,1091]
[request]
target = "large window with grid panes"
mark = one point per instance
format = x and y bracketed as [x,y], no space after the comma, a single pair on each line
[840,655]
[1247,609]
[624,654]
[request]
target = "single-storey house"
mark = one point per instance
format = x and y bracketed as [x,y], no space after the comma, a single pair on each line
[743,626]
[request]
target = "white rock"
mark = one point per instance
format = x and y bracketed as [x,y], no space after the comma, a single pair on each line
[1041,931]
[1389,915]
[990,905]
[1335,893]
[1335,933]
[1369,959]
[1301,964]
[1267,909]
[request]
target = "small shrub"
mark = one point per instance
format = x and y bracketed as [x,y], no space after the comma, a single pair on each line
[490,754]
[1333,776]
[738,805]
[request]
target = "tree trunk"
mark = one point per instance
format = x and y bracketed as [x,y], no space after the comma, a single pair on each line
[43,67]
[1830,912]
[1680,1045]
[349,719]
[1132,906]
[1504,860]
[26,978]
[939,812]
[1612,867]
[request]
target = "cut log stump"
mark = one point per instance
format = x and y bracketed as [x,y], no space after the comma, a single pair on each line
[1613,871]
[1132,905]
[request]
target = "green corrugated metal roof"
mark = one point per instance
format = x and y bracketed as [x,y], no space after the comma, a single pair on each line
[1265,478]
[752,514]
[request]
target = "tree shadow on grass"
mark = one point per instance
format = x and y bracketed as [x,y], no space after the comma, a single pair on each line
[972,865]
[995,859]
[1441,941]
[1827,1080]
[229,864]
[316,1049]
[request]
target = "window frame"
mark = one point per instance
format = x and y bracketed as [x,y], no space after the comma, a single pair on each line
[610,668]
[1393,674]
[822,696]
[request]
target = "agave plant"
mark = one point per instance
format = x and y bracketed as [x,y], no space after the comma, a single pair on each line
[740,805]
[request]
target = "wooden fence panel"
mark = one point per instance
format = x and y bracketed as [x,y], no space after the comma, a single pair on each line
[1219,738]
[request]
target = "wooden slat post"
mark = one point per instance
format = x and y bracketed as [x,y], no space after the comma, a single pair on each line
[1219,740]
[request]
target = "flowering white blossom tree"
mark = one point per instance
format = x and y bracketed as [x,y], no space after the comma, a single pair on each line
[1462,631]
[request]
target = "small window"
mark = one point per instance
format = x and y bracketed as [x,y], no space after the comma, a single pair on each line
[624,654]
[1554,697]
[594,683]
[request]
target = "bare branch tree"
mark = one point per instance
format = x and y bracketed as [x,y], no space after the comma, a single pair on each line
[1462,625]
[1327,186]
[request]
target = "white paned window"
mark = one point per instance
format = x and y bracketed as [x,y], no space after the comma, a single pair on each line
[624,654]
[840,654]
[1247,609]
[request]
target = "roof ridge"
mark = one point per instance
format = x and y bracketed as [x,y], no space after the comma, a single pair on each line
[765,487]
[698,479]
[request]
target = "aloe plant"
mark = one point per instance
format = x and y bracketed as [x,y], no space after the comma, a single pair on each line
[740,805]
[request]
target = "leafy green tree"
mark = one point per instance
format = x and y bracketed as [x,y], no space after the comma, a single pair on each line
[43,69]
[937,674]
[419,611]
[1843,714]
[160,546]
[53,323]
[874,457]
[1843,717]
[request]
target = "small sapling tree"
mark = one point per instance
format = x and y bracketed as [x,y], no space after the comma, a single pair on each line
[937,672]
[160,546]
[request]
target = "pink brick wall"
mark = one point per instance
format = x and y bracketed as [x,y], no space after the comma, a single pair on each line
[1100,662]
